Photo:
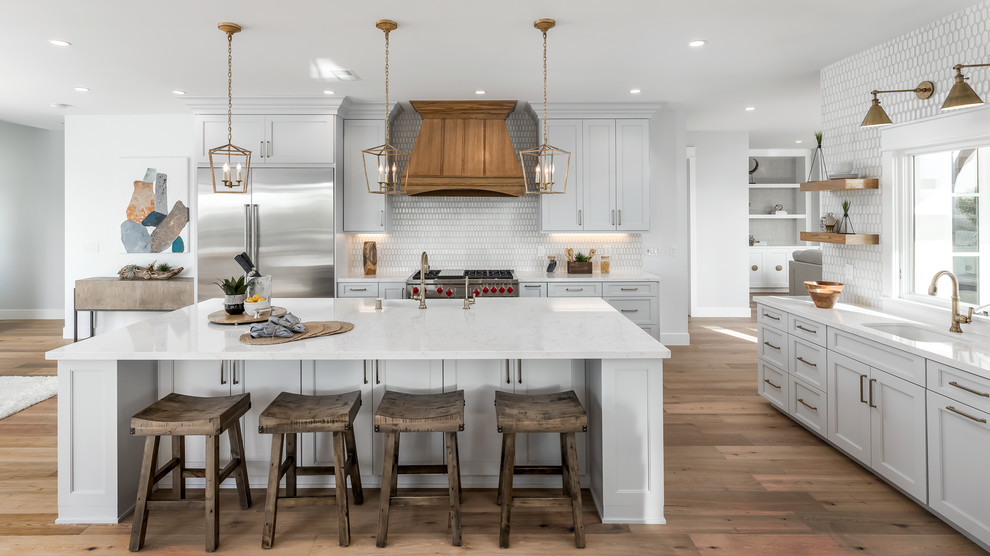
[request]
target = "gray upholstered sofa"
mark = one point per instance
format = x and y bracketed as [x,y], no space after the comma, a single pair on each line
[806,265]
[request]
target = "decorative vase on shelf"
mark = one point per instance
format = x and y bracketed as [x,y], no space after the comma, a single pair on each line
[844,225]
[818,160]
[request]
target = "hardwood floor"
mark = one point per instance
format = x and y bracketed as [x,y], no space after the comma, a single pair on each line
[740,479]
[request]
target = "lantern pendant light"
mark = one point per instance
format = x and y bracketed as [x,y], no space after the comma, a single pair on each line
[384,164]
[232,163]
[544,166]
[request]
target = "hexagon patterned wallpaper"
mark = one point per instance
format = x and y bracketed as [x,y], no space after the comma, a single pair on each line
[927,53]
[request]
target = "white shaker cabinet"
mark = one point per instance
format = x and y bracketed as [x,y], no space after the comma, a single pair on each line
[598,171]
[632,175]
[274,139]
[362,211]
[849,409]
[480,379]
[561,212]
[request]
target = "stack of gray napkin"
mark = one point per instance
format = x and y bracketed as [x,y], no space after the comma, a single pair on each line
[278,327]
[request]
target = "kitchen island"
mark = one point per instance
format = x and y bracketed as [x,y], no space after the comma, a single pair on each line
[527,345]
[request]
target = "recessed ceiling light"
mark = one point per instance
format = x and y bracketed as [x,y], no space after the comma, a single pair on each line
[750,108]
[59,105]
[798,141]
[82,89]
[177,92]
[329,92]
[697,43]
[634,91]
[479,92]
[59,42]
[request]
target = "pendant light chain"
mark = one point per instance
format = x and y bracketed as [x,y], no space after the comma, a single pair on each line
[545,134]
[386,87]
[230,98]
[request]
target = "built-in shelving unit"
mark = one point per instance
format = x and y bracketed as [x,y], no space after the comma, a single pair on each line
[841,184]
[841,239]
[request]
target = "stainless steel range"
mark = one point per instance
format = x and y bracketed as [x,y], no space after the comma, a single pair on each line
[450,283]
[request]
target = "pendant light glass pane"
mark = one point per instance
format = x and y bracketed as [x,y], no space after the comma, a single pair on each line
[384,167]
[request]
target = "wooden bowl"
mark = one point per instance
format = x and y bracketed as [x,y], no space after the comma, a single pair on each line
[824,294]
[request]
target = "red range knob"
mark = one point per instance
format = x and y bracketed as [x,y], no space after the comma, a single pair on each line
[501,289]
[510,289]
[440,290]
[450,293]
[477,293]
[485,289]
[415,290]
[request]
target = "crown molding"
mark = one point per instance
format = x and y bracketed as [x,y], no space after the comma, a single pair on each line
[268,105]
[599,109]
[368,111]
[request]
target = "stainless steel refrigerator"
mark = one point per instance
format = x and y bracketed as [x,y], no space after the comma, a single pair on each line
[285,223]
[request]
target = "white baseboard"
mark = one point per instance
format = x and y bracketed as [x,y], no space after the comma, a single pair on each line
[722,312]
[32,314]
[675,338]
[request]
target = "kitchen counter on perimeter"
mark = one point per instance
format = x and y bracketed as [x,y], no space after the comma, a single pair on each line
[530,345]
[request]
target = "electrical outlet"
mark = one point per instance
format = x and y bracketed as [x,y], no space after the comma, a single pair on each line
[90,247]
[673,250]
[849,273]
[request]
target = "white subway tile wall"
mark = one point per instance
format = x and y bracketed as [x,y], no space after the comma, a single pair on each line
[479,232]
[925,54]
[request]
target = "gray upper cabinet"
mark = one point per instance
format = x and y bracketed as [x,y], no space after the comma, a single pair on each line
[362,211]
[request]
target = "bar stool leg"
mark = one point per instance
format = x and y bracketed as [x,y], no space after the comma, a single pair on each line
[290,473]
[565,480]
[385,499]
[395,476]
[454,487]
[178,483]
[271,495]
[501,464]
[355,469]
[145,484]
[457,456]
[339,468]
[240,473]
[212,492]
[508,462]
[575,488]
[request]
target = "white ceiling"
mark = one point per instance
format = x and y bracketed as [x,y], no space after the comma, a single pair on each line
[764,53]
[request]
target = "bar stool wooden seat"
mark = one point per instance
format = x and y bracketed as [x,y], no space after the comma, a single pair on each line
[398,413]
[179,416]
[559,412]
[291,414]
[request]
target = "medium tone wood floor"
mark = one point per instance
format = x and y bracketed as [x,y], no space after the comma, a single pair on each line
[740,479]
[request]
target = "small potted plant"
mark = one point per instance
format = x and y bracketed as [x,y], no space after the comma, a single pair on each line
[235,290]
[580,265]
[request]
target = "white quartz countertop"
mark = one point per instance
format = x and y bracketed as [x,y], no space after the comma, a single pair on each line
[618,276]
[494,328]
[970,352]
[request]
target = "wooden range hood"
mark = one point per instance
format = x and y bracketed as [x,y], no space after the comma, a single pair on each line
[463,149]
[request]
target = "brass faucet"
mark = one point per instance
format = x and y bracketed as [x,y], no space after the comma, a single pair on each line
[424,267]
[469,300]
[957,318]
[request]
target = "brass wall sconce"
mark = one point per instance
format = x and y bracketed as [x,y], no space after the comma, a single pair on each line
[961,95]
[876,116]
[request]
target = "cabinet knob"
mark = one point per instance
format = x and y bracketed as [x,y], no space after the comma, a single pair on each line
[755,267]
[780,268]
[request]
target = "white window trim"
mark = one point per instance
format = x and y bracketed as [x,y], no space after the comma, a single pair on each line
[898,144]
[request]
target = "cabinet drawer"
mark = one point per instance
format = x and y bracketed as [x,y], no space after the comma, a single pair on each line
[391,290]
[773,385]
[639,311]
[894,361]
[630,289]
[806,329]
[771,317]
[532,289]
[357,289]
[959,385]
[808,406]
[773,346]
[807,361]
[575,289]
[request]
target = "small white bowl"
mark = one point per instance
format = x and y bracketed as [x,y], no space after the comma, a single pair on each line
[255,307]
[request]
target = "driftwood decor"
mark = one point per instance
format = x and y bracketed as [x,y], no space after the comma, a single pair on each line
[150,272]
[370,253]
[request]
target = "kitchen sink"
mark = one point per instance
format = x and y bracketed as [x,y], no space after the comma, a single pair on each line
[914,332]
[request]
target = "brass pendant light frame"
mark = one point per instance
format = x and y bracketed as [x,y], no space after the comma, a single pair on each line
[233,179]
[962,95]
[386,159]
[877,116]
[540,165]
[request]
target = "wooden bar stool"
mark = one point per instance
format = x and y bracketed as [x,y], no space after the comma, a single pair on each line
[291,414]
[398,413]
[178,416]
[560,412]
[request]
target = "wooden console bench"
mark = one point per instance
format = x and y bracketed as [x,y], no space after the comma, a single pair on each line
[114,294]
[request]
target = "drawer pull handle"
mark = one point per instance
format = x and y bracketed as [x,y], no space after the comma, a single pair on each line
[871,404]
[629,289]
[629,310]
[771,345]
[771,316]
[806,329]
[954,410]
[970,390]
[778,268]
[508,376]
[801,359]
[767,380]
[532,286]
[805,404]
[861,398]
[575,289]
[756,267]
[359,289]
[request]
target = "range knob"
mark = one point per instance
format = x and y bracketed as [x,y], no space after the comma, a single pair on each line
[509,290]
[501,289]
[485,289]
[449,293]
[440,289]
[415,290]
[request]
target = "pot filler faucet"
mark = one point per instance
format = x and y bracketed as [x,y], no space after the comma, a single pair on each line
[424,267]
[957,318]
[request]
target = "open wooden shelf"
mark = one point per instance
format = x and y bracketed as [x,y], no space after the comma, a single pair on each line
[841,185]
[843,239]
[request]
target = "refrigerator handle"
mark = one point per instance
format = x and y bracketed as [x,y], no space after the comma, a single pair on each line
[255,236]
[249,233]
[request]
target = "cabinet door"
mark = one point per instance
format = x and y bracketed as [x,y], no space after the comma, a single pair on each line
[775,269]
[532,289]
[544,376]
[247,131]
[199,378]
[848,407]
[362,211]
[264,380]
[898,433]
[479,378]
[299,139]
[958,452]
[414,377]
[632,175]
[598,174]
[392,290]
[564,212]
[756,272]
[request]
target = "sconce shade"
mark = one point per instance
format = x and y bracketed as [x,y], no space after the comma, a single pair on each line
[876,116]
[961,95]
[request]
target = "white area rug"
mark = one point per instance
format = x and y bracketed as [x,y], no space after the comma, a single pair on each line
[18,392]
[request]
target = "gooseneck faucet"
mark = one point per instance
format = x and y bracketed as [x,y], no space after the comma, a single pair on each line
[424,267]
[957,318]
[469,299]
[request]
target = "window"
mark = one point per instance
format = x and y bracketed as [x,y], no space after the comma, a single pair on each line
[951,191]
